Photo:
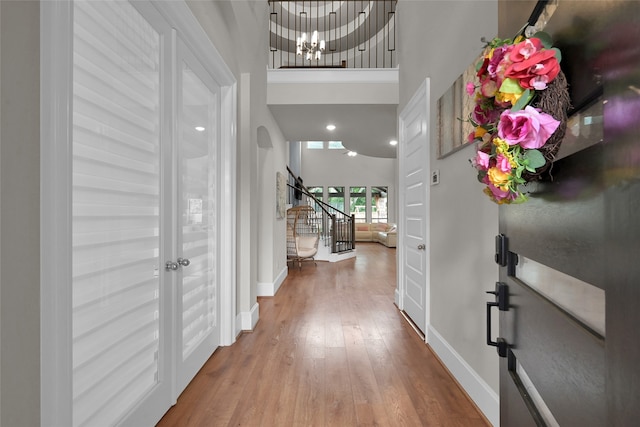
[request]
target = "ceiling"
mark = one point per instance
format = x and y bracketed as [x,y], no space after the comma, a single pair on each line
[365,129]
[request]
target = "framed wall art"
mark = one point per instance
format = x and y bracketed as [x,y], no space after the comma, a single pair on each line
[281,195]
[454,109]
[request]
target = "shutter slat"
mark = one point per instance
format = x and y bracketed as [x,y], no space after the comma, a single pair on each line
[108,138]
[90,290]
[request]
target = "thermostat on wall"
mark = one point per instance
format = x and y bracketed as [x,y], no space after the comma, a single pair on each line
[435,177]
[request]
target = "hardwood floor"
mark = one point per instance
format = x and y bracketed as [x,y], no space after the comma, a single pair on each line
[330,349]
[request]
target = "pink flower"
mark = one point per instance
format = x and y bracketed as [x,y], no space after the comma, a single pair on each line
[488,88]
[471,88]
[500,194]
[483,115]
[539,82]
[493,67]
[502,163]
[529,127]
[482,160]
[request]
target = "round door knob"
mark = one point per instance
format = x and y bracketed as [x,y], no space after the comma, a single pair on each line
[184,262]
[422,246]
[170,265]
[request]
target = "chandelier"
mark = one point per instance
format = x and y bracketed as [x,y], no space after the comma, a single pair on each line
[308,48]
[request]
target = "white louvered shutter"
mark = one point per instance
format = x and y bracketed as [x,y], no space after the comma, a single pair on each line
[116,210]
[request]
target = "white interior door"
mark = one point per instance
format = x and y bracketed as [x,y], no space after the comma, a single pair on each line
[197,223]
[120,326]
[413,153]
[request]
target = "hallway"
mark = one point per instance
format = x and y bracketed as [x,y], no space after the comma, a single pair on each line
[330,349]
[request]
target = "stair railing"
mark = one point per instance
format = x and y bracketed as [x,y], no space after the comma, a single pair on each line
[337,229]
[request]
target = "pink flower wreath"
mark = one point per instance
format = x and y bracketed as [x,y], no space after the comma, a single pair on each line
[517,135]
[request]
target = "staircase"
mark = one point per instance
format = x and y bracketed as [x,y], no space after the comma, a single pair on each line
[337,228]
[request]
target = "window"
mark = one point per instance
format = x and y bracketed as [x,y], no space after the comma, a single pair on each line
[315,145]
[335,145]
[316,191]
[358,203]
[379,204]
[336,197]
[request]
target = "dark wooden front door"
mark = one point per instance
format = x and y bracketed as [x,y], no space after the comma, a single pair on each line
[571,326]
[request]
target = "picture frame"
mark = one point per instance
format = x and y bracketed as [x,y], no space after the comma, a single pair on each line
[281,195]
[454,109]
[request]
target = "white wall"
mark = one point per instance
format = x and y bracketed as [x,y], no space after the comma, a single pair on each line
[272,256]
[20,221]
[439,39]
[334,168]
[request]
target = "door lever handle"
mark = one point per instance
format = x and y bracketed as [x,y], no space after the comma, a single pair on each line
[172,266]
[501,302]
[499,342]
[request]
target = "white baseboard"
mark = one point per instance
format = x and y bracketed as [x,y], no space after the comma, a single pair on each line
[484,397]
[247,320]
[266,289]
[397,298]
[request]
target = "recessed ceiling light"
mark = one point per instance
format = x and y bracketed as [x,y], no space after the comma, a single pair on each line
[331,127]
[393,142]
[199,128]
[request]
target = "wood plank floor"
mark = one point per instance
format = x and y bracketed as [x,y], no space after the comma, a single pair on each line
[330,349]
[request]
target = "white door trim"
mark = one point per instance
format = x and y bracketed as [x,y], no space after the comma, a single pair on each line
[56,64]
[180,17]
[420,99]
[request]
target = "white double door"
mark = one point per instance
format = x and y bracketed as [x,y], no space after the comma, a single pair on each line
[145,203]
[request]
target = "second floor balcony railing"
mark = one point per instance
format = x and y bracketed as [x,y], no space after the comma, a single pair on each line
[356,33]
